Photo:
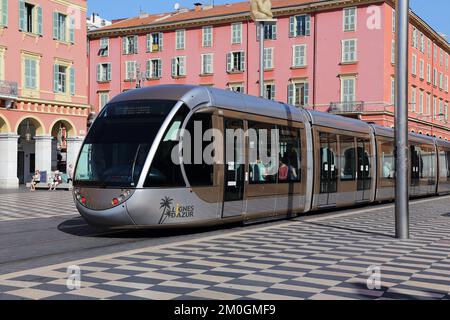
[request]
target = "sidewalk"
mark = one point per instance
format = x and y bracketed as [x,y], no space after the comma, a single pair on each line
[317,257]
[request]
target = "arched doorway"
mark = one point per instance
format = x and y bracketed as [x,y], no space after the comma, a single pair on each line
[27,130]
[61,130]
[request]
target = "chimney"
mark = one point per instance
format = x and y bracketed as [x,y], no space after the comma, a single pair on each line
[198,6]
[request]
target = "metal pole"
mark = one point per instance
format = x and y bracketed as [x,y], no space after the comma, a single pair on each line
[401,122]
[261,59]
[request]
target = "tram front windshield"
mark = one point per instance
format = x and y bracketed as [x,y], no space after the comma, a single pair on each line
[118,143]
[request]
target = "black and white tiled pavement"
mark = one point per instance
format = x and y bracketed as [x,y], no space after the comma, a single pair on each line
[38,204]
[319,257]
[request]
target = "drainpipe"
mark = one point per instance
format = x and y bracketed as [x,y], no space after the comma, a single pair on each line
[314,61]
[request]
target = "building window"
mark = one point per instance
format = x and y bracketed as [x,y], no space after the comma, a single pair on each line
[393,51]
[30,16]
[179,67]
[435,105]
[299,55]
[63,25]
[413,99]
[180,39]
[414,65]
[428,73]
[350,19]
[428,103]
[422,43]
[103,98]
[154,42]
[207,37]
[154,69]
[434,77]
[414,38]
[237,87]
[428,48]
[103,72]
[270,32]
[30,73]
[441,107]
[392,91]
[393,21]
[104,47]
[446,83]
[268,58]
[349,50]
[236,61]
[446,61]
[441,59]
[421,69]
[348,90]
[298,93]
[60,78]
[4,13]
[130,45]
[300,26]
[236,33]
[207,63]
[130,70]
[269,91]
[441,80]
[435,53]
[421,102]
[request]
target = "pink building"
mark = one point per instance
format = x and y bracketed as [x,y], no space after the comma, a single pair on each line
[43,86]
[335,56]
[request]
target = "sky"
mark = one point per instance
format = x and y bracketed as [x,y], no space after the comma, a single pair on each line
[436,15]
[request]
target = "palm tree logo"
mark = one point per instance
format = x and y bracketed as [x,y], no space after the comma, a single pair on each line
[165,206]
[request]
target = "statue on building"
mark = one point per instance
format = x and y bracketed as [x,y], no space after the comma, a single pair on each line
[261,9]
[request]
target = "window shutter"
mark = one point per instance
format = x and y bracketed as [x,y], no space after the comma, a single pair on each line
[4,13]
[22,16]
[135,39]
[55,77]
[273,92]
[274,32]
[242,61]
[33,74]
[159,69]
[39,20]
[149,42]
[306,98]
[124,45]
[229,62]
[149,69]
[72,30]
[183,66]
[99,72]
[55,25]
[72,80]
[292,27]
[291,94]
[174,67]
[308,25]
[160,41]
[108,75]
[258,28]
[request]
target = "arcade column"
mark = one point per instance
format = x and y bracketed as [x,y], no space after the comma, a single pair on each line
[43,149]
[8,161]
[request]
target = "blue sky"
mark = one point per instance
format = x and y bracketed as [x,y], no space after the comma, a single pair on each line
[434,12]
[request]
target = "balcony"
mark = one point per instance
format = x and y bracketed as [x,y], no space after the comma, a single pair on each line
[8,90]
[350,107]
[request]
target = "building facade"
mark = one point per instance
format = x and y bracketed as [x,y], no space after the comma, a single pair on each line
[335,56]
[43,87]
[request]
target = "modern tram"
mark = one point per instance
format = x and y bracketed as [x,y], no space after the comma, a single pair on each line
[125,175]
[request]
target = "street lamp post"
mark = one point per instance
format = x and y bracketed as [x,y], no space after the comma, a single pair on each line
[261,27]
[401,122]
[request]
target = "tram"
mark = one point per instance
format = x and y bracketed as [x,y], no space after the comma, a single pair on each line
[126,176]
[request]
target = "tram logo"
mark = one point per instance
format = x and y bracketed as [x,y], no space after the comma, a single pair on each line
[177,211]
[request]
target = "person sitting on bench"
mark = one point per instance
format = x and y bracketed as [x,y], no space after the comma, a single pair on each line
[57,180]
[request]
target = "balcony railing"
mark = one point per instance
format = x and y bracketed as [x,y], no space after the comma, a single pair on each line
[346,107]
[8,89]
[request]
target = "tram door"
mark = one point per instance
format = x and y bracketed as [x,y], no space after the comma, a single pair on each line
[415,169]
[234,166]
[328,169]
[364,170]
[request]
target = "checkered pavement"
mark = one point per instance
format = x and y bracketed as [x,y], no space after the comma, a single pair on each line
[38,204]
[318,257]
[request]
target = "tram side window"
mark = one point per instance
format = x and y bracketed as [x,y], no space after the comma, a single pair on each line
[163,171]
[427,160]
[262,167]
[448,165]
[387,160]
[348,158]
[198,171]
[443,166]
[289,169]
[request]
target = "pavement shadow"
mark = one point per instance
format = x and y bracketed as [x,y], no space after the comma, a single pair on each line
[374,233]
[80,228]
[390,294]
